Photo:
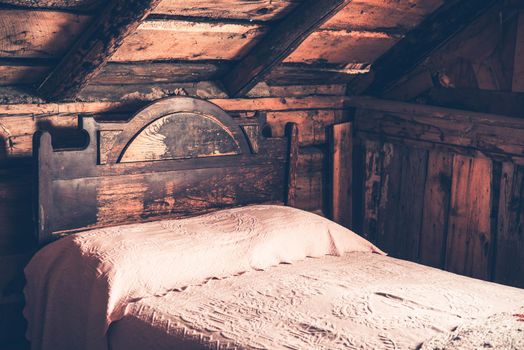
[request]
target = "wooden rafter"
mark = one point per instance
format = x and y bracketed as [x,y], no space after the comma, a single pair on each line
[279,42]
[418,44]
[94,48]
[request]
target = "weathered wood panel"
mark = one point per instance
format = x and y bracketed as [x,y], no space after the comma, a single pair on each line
[253,10]
[38,33]
[22,75]
[397,16]
[372,185]
[58,4]
[92,50]
[436,209]
[165,40]
[351,47]
[469,240]
[411,202]
[310,179]
[504,136]
[341,179]
[420,42]
[509,260]
[387,234]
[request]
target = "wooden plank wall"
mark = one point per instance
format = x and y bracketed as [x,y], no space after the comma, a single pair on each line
[313,108]
[443,190]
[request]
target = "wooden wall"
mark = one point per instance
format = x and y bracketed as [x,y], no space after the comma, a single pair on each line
[442,187]
[313,108]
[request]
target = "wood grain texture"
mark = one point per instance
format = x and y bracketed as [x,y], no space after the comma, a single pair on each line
[351,47]
[38,34]
[93,49]
[278,43]
[398,16]
[372,186]
[52,4]
[435,214]
[311,172]
[257,10]
[419,43]
[469,240]
[292,159]
[178,39]
[490,137]
[341,167]
[178,136]
[509,260]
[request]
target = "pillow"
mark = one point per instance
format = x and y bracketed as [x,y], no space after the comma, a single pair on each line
[83,282]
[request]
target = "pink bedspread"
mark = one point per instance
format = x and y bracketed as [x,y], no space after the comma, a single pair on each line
[80,284]
[358,301]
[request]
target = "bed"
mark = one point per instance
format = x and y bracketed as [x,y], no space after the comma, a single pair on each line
[176,230]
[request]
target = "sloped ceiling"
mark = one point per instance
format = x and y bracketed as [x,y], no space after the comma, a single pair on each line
[200,39]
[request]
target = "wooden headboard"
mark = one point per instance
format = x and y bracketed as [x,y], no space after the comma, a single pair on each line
[177,157]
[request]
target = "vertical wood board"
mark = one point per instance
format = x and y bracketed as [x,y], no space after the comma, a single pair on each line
[341,153]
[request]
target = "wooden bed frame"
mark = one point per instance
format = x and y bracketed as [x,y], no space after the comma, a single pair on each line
[177,157]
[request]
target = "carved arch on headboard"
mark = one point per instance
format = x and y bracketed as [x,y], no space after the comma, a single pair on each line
[167,128]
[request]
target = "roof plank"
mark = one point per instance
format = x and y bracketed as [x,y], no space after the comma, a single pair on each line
[94,48]
[419,43]
[279,42]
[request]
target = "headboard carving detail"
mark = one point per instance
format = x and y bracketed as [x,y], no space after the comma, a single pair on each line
[178,157]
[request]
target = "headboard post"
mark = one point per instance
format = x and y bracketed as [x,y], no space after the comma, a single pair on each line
[43,151]
[292,136]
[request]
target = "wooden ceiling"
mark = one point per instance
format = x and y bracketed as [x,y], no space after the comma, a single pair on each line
[168,41]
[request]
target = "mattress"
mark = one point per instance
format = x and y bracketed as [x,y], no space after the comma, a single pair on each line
[357,301]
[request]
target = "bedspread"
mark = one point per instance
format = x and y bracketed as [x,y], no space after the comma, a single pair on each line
[358,301]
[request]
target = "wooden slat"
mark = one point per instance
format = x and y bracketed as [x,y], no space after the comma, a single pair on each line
[160,72]
[254,10]
[341,156]
[292,73]
[509,261]
[518,66]
[505,137]
[276,45]
[187,40]
[55,4]
[411,202]
[372,186]
[22,75]
[292,160]
[418,44]
[343,46]
[436,209]
[310,179]
[94,48]
[391,177]
[469,241]
[397,16]
[42,34]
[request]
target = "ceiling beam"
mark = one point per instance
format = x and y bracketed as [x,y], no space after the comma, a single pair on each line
[282,39]
[418,44]
[94,48]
